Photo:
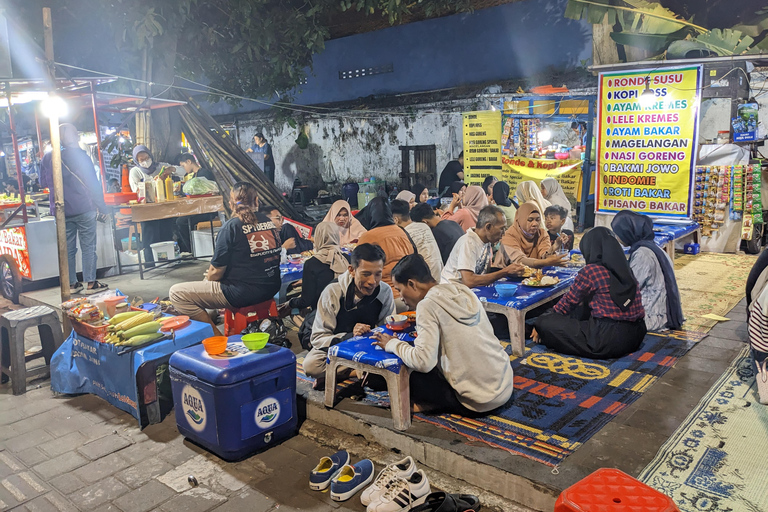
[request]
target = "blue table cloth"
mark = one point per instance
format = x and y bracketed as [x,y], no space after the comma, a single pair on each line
[290,272]
[362,350]
[526,296]
[82,365]
[670,232]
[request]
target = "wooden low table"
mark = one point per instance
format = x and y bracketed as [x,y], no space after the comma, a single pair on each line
[186,207]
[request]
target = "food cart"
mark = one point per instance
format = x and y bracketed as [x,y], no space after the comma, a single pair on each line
[28,233]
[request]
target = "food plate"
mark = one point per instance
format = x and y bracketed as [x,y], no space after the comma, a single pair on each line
[532,282]
[174,323]
[398,328]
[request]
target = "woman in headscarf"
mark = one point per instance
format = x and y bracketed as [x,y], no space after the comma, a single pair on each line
[652,269]
[602,315]
[407,196]
[502,200]
[327,263]
[391,238]
[553,192]
[488,184]
[146,169]
[527,243]
[421,192]
[474,201]
[350,228]
[529,191]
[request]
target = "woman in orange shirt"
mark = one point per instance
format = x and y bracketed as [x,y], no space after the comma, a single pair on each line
[391,238]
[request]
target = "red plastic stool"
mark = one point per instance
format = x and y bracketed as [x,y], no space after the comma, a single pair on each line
[611,490]
[235,320]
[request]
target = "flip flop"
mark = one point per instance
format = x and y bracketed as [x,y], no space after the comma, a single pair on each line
[444,502]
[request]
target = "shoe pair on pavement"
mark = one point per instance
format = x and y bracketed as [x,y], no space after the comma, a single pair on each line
[398,487]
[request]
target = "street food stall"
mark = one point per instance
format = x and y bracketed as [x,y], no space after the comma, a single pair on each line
[28,233]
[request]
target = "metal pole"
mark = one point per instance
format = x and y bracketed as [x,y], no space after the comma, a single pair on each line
[98,140]
[40,148]
[58,182]
[15,140]
[586,168]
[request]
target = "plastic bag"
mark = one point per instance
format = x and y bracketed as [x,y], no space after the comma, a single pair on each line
[200,186]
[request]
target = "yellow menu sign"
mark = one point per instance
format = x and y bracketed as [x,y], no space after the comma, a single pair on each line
[646,154]
[482,145]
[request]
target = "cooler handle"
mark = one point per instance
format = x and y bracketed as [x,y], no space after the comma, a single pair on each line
[274,374]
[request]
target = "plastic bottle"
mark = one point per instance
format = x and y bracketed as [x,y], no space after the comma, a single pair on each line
[169,189]
[159,190]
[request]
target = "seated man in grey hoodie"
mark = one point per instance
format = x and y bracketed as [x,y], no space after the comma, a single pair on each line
[350,306]
[459,365]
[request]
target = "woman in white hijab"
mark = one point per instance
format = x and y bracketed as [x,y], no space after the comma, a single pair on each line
[529,192]
[553,192]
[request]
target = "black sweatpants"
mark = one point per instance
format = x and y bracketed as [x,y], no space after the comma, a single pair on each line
[182,232]
[594,338]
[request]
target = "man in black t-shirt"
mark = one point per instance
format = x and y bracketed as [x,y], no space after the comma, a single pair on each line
[446,232]
[182,231]
[454,171]
[293,243]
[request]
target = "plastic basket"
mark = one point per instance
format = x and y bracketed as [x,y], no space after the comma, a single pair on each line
[90,331]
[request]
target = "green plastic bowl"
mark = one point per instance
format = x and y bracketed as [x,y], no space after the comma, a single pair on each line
[255,340]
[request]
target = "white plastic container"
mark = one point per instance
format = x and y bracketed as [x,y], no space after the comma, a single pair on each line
[164,251]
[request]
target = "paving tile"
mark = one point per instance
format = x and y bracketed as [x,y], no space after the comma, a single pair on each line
[178,453]
[21,487]
[101,468]
[35,422]
[198,499]
[40,406]
[703,365]
[103,446]
[59,465]
[248,499]
[67,483]
[138,452]
[714,341]
[143,472]
[107,507]
[66,425]
[147,497]
[8,431]
[50,502]
[99,493]
[27,440]
[31,456]
[10,416]
[65,444]
[9,464]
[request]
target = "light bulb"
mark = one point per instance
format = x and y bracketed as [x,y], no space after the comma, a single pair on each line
[544,135]
[54,106]
[647,98]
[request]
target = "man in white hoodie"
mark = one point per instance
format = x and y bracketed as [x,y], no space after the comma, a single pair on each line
[351,306]
[459,365]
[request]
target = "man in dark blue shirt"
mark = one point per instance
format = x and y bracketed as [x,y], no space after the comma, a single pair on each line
[83,204]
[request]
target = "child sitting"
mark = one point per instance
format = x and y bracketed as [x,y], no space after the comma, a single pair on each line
[554,219]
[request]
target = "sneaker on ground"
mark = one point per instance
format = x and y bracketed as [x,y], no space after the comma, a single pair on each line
[94,287]
[327,469]
[403,494]
[400,469]
[351,479]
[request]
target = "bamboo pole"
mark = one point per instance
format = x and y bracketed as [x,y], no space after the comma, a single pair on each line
[58,182]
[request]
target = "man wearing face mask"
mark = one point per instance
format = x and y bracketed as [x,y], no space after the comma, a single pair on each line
[145,170]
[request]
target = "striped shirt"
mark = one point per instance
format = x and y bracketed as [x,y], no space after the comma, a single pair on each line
[758,328]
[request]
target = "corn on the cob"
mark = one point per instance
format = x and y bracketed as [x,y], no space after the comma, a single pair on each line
[121,317]
[141,339]
[133,321]
[147,328]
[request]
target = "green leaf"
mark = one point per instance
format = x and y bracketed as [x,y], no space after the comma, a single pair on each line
[291,122]
[664,21]
[725,42]
[238,47]
[651,42]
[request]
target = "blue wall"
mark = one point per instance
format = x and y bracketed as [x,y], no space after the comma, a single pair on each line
[505,42]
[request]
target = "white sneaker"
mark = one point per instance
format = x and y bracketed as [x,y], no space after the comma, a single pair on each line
[402,494]
[400,469]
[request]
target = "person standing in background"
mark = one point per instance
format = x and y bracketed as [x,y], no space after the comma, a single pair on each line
[453,171]
[83,206]
[261,146]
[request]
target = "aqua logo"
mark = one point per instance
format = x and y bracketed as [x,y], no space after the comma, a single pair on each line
[194,408]
[267,412]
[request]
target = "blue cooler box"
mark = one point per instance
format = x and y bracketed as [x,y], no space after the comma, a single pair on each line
[235,403]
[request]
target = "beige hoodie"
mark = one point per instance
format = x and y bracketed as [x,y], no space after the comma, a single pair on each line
[456,336]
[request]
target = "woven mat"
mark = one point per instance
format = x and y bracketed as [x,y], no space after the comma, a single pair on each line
[717,461]
[559,401]
[710,283]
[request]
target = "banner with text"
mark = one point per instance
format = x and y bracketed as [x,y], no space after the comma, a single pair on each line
[646,154]
[567,172]
[482,145]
